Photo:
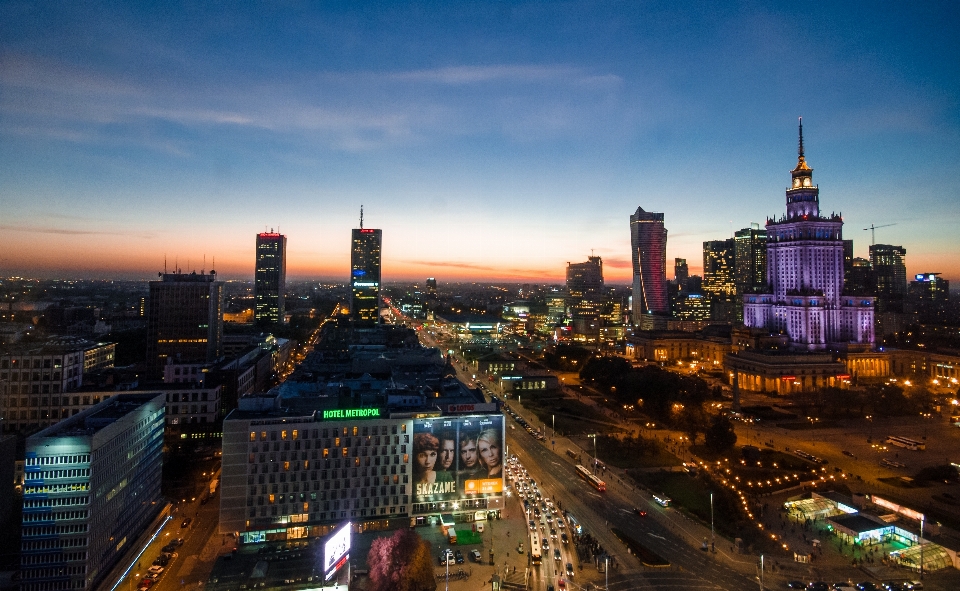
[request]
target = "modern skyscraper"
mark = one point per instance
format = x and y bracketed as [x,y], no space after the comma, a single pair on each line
[890,276]
[680,271]
[929,297]
[365,274]
[91,486]
[750,260]
[184,319]
[718,267]
[270,278]
[585,278]
[648,241]
[805,274]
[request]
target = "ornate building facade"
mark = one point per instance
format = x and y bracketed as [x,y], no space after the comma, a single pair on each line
[805,272]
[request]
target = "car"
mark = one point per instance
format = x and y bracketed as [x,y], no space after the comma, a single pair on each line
[458,557]
[556,555]
[156,569]
[569,570]
[446,557]
[532,524]
[639,511]
[520,548]
[553,533]
[561,584]
[565,538]
[171,547]
[545,545]
[796,585]
[186,522]
[818,586]
[475,555]
[145,584]
[867,586]
[848,454]
[161,561]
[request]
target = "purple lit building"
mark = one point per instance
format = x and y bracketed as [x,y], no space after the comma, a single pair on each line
[648,240]
[805,272]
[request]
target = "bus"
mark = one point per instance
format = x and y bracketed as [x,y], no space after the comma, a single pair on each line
[591,479]
[906,443]
[535,557]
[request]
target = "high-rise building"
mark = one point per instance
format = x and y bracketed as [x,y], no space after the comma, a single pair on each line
[750,260]
[889,275]
[718,267]
[648,241]
[680,271]
[431,286]
[860,280]
[929,297]
[270,278]
[847,261]
[365,274]
[91,486]
[184,319]
[805,274]
[585,279]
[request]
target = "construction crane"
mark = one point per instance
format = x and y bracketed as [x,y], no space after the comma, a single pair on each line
[873,235]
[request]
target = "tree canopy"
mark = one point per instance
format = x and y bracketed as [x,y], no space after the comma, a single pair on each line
[401,562]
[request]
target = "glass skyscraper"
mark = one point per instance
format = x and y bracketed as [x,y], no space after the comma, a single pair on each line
[270,278]
[648,241]
[365,275]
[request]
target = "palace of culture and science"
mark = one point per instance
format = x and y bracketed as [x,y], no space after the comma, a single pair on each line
[805,268]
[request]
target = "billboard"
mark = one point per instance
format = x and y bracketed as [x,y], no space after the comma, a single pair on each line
[336,550]
[457,457]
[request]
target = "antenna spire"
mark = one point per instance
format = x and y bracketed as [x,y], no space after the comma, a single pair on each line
[800,151]
[361,216]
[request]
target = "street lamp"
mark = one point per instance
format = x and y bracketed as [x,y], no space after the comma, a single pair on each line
[596,458]
[713,539]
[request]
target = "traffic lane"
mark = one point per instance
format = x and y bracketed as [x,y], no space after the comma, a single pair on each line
[585,501]
[203,522]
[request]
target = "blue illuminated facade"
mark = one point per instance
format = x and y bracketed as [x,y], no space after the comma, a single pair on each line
[91,486]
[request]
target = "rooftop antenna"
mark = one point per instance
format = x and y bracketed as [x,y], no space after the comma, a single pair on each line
[164,263]
[800,151]
[361,216]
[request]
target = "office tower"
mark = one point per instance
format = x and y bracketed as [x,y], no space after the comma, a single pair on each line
[847,260]
[270,278]
[365,274]
[91,487]
[860,281]
[889,275]
[718,267]
[805,274]
[750,260]
[929,297]
[648,242]
[184,319]
[680,271]
[584,279]
[431,286]
[585,289]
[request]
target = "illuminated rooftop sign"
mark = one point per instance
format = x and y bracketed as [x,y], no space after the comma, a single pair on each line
[352,413]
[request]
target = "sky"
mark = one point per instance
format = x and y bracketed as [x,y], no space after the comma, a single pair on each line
[491,141]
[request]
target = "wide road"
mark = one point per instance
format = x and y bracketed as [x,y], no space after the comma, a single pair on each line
[598,512]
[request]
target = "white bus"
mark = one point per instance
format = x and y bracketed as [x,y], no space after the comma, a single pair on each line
[906,443]
[535,551]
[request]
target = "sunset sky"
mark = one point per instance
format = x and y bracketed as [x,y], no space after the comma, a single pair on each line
[489,140]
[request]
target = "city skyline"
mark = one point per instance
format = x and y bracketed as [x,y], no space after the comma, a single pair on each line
[489,143]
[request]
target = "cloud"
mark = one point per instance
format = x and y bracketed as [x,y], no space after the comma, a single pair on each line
[450,264]
[70,232]
[523,73]
[617,263]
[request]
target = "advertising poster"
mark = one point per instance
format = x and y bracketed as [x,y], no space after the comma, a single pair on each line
[457,457]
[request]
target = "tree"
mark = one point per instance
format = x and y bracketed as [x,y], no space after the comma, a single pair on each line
[401,563]
[720,435]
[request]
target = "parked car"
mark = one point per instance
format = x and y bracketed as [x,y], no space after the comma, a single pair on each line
[475,555]
[458,556]
[186,522]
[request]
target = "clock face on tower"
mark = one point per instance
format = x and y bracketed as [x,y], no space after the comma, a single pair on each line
[796,182]
[806,182]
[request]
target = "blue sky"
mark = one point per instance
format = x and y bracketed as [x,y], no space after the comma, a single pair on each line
[489,140]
